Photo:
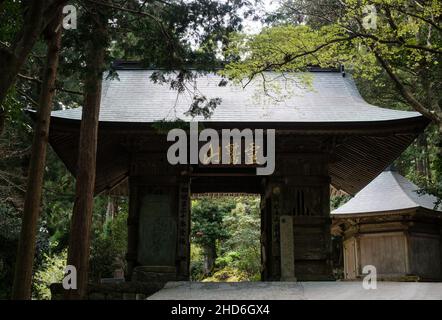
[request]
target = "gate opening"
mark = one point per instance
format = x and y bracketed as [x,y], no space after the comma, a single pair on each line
[225,238]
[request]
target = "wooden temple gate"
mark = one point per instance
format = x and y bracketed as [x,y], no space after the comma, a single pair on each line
[298,191]
[327,136]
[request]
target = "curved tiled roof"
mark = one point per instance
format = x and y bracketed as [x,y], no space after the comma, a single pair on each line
[365,138]
[388,192]
[331,98]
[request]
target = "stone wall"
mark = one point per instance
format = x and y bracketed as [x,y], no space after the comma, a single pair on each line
[113,291]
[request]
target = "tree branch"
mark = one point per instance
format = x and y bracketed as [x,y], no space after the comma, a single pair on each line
[396,42]
[289,58]
[35,103]
[432,23]
[29,78]
[408,96]
[139,12]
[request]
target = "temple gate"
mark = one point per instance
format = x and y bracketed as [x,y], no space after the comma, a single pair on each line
[326,135]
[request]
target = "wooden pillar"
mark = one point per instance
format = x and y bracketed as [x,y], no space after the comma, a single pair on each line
[270,231]
[132,229]
[439,227]
[299,191]
[183,241]
[265,252]
[275,212]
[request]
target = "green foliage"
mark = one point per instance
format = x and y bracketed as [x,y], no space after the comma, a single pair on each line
[9,234]
[339,200]
[109,246]
[405,42]
[11,18]
[14,157]
[227,259]
[235,226]
[207,220]
[228,274]
[110,238]
[50,271]
[196,262]
[57,201]
[243,246]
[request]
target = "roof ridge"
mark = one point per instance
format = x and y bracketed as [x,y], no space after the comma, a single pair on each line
[395,175]
[419,196]
[139,65]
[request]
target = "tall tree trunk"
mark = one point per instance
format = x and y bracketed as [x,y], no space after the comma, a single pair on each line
[39,14]
[209,258]
[26,249]
[79,240]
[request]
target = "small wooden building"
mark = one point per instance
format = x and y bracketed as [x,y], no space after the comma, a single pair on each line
[391,225]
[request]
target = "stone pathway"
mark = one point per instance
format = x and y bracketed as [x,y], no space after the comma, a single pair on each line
[340,290]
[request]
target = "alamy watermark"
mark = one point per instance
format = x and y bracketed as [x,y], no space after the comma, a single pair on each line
[69,17]
[230,151]
[370,280]
[70,278]
[369,21]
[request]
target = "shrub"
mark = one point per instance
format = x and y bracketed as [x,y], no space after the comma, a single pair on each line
[50,271]
[109,248]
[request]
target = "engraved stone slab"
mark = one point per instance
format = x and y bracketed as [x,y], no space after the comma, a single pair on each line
[157,231]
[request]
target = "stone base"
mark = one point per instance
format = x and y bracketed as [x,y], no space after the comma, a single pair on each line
[154,274]
[112,291]
[313,270]
[289,279]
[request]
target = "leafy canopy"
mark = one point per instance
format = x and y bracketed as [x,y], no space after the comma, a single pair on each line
[400,37]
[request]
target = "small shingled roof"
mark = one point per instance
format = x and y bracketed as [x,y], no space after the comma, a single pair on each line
[388,192]
[136,98]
